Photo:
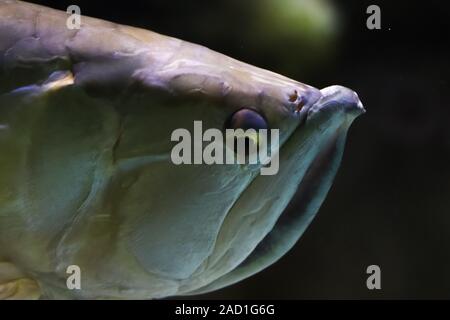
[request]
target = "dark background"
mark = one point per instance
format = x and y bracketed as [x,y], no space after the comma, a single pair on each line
[390,203]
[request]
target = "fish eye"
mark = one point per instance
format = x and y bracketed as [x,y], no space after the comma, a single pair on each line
[246,119]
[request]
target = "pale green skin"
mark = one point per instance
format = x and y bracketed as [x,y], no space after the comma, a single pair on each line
[85,173]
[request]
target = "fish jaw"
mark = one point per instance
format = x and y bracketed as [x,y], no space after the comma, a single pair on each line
[255,233]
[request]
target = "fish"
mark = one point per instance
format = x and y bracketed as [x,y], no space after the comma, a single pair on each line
[86,176]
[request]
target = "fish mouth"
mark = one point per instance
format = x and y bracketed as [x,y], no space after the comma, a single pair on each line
[330,102]
[336,99]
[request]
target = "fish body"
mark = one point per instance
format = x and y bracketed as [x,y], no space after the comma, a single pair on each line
[86,176]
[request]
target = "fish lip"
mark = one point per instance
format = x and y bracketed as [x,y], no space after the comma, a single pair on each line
[337,99]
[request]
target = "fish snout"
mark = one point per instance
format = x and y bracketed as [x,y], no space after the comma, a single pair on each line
[337,100]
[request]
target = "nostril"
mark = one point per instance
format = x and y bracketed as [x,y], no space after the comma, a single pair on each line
[300,105]
[297,100]
[293,96]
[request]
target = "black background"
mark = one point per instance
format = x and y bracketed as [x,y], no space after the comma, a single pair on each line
[390,203]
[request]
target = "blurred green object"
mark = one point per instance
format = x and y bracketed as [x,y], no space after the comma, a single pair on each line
[295,34]
[295,37]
